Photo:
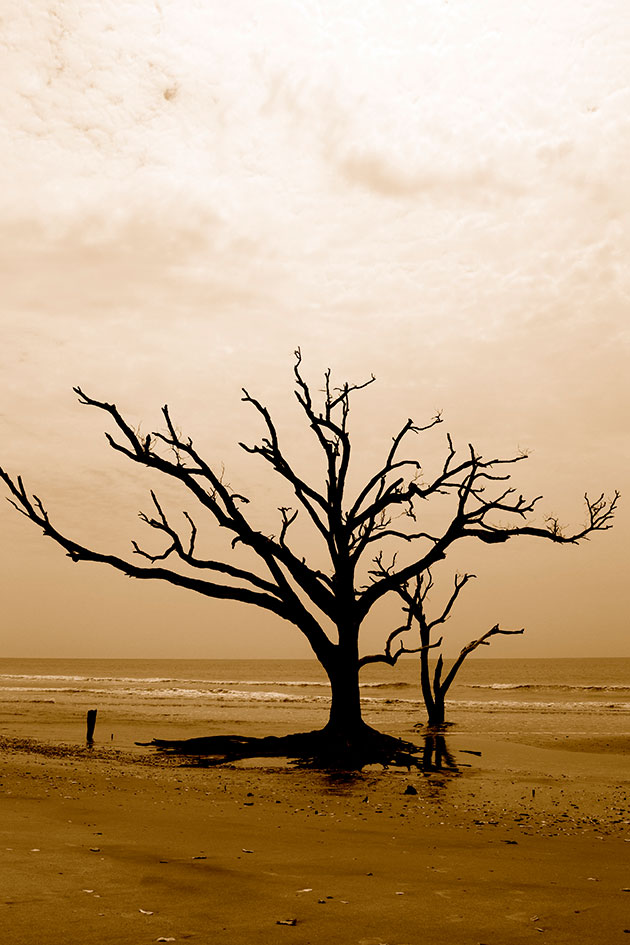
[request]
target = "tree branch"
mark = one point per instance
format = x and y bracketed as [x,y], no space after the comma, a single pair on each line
[188,557]
[472,523]
[482,641]
[391,658]
[35,511]
[222,504]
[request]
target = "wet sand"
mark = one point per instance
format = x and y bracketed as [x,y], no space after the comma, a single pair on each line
[521,843]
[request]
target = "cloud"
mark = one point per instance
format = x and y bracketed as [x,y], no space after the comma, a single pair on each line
[379,173]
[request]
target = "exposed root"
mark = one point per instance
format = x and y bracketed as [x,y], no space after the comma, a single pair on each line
[322,748]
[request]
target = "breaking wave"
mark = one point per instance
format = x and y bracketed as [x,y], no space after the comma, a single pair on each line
[161,680]
[558,687]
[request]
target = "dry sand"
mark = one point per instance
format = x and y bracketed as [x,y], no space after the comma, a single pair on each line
[528,843]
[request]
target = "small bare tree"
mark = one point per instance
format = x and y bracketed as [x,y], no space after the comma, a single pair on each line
[351,528]
[434,687]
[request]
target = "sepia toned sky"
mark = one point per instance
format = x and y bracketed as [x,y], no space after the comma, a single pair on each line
[436,192]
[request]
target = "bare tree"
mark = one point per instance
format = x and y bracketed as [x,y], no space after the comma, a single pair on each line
[351,527]
[434,688]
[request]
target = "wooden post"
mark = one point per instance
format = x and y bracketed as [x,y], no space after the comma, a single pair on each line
[91,722]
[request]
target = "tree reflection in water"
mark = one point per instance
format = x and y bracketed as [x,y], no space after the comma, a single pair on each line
[432,758]
[436,756]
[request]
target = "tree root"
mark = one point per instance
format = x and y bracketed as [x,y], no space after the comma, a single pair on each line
[322,749]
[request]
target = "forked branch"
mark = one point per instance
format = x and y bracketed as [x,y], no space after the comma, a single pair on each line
[187,555]
[472,522]
[33,508]
[483,640]
[391,657]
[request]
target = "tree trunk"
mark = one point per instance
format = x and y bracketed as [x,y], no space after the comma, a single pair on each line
[345,705]
[345,719]
[436,712]
[425,678]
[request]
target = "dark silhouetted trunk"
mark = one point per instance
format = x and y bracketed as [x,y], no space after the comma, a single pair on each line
[345,720]
[432,692]
[425,678]
[345,705]
[437,713]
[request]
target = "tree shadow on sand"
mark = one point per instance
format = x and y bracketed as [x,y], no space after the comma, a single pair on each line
[315,750]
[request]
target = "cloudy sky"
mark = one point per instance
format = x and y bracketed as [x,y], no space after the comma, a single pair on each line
[436,192]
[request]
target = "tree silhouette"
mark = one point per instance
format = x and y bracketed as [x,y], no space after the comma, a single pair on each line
[434,688]
[328,606]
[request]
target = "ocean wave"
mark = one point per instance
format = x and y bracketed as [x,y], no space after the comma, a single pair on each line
[249,696]
[57,677]
[558,687]
[291,683]
[212,683]
[218,694]
[507,706]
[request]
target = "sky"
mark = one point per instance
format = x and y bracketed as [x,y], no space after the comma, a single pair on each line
[433,192]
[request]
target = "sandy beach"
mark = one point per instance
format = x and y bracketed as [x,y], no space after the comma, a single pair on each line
[523,842]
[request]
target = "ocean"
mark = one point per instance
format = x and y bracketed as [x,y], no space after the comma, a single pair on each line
[138,700]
